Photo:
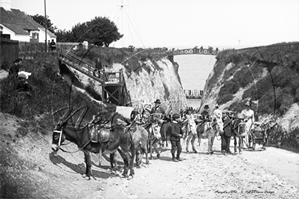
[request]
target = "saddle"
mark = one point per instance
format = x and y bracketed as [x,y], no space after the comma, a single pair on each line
[99,134]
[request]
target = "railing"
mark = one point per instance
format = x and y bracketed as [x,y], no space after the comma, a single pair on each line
[193,51]
[88,68]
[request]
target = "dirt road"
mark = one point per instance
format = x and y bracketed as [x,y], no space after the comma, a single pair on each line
[28,169]
[273,173]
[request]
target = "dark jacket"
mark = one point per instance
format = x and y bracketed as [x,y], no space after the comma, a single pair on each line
[14,70]
[205,114]
[175,131]
[227,126]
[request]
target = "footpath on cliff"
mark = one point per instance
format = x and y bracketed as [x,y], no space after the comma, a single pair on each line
[28,169]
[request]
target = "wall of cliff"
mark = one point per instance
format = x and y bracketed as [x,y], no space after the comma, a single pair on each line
[268,76]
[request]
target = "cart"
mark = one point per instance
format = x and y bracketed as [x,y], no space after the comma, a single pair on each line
[258,135]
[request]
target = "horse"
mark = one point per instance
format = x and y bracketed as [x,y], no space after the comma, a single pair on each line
[128,117]
[154,136]
[238,134]
[208,130]
[140,139]
[154,139]
[112,139]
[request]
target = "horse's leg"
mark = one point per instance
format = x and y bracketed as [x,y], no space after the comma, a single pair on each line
[126,162]
[88,164]
[212,143]
[209,144]
[155,148]
[234,143]
[240,144]
[145,150]
[137,158]
[112,161]
[150,148]
[99,157]
[193,143]
[188,139]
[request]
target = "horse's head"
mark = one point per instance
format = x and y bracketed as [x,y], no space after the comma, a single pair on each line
[58,135]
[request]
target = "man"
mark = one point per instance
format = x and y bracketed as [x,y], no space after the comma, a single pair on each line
[157,109]
[217,117]
[157,117]
[248,116]
[205,112]
[176,133]
[52,45]
[15,68]
[226,136]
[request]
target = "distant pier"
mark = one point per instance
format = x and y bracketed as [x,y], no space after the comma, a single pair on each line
[193,94]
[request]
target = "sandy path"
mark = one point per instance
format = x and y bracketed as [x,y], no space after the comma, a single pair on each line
[257,174]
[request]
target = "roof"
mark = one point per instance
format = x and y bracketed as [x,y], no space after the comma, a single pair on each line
[18,21]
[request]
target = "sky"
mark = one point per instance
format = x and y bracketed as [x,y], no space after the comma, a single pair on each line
[180,23]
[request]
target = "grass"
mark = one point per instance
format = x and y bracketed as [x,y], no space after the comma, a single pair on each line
[49,92]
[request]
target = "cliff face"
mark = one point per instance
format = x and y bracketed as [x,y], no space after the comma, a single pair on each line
[155,80]
[268,76]
[152,79]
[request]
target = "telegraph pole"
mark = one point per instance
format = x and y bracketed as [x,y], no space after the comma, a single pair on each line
[45,26]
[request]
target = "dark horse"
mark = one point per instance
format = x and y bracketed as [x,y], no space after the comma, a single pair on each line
[237,128]
[117,139]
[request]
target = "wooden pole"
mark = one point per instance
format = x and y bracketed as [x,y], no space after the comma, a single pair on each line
[45,27]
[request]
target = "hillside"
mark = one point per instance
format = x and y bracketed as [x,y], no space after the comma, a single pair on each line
[269,76]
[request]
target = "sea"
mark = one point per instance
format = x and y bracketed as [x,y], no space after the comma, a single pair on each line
[194,71]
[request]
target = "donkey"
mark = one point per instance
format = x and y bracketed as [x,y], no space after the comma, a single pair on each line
[115,139]
[153,129]
[209,130]
[237,133]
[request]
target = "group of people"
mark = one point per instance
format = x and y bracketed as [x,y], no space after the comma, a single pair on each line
[221,118]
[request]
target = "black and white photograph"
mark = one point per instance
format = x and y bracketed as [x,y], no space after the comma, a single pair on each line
[149,99]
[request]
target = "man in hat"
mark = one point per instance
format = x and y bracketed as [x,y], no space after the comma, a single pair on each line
[175,132]
[157,113]
[248,115]
[157,108]
[205,112]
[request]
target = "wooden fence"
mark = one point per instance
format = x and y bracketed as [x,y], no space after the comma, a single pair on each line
[9,51]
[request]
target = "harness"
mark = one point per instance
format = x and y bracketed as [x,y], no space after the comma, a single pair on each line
[59,143]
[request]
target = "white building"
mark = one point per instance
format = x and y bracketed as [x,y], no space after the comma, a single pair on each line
[20,26]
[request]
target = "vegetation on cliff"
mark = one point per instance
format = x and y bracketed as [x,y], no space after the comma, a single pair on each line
[268,75]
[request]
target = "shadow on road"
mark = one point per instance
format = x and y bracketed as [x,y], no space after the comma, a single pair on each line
[78,168]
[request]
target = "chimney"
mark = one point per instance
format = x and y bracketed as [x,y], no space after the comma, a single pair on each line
[5,4]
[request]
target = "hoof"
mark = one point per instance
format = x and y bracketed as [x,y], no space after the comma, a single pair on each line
[86,177]
[158,155]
